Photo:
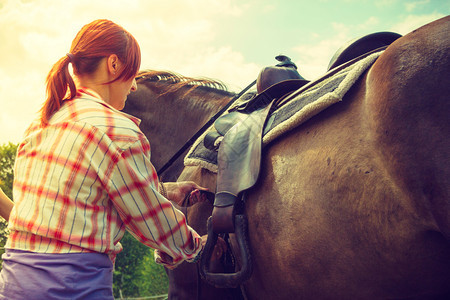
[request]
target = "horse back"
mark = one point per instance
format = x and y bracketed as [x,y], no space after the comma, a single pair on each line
[355,202]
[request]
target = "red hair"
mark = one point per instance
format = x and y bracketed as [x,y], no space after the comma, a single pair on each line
[95,41]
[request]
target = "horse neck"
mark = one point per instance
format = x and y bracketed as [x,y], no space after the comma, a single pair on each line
[170,118]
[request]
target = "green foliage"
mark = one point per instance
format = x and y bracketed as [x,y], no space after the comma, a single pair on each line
[7,158]
[136,274]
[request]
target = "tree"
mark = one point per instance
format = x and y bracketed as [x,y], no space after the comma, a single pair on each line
[7,159]
[136,274]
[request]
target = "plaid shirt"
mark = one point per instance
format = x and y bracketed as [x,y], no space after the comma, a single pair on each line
[84,179]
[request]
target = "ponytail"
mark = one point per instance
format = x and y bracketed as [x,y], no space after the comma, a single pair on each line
[58,80]
[93,42]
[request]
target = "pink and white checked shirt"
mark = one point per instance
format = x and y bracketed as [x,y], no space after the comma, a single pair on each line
[84,179]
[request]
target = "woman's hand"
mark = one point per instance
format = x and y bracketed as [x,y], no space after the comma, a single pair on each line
[178,191]
[5,205]
[220,248]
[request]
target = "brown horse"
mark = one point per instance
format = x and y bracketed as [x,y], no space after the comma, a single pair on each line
[172,110]
[354,203]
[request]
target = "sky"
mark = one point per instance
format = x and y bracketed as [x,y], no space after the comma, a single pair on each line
[227,40]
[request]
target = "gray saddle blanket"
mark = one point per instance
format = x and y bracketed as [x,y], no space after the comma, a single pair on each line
[301,106]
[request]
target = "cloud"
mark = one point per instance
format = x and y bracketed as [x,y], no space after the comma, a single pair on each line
[412,22]
[412,5]
[174,35]
[21,98]
[41,31]
[370,23]
[224,64]
[384,3]
[313,59]
[269,8]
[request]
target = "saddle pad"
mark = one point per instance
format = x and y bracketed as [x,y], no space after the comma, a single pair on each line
[299,108]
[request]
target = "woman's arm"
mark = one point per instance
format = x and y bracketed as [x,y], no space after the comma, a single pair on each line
[132,186]
[5,205]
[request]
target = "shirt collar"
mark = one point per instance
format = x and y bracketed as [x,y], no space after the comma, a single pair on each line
[92,95]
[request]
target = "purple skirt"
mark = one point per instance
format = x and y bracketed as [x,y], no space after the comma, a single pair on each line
[28,275]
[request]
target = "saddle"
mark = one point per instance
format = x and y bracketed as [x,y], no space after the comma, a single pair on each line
[360,46]
[238,140]
[272,83]
[240,135]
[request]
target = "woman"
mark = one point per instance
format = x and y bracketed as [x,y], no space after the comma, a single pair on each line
[83,175]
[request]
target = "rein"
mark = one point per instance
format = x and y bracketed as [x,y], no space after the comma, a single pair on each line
[202,130]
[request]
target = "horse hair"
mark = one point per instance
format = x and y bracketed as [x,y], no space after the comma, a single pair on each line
[178,81]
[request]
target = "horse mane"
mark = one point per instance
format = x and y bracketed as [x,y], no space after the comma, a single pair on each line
[174,82]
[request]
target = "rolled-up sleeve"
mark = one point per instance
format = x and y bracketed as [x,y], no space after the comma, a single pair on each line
[147,215]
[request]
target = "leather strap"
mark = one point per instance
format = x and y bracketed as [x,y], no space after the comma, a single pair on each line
[239,160]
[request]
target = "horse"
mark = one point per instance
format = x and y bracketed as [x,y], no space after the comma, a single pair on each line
[167,95]
[354,202]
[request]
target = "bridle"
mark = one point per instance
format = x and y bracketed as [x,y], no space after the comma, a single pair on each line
[202,130]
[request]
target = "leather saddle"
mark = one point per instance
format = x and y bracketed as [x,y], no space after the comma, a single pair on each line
[273,82]
[362,45]
[241,131]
